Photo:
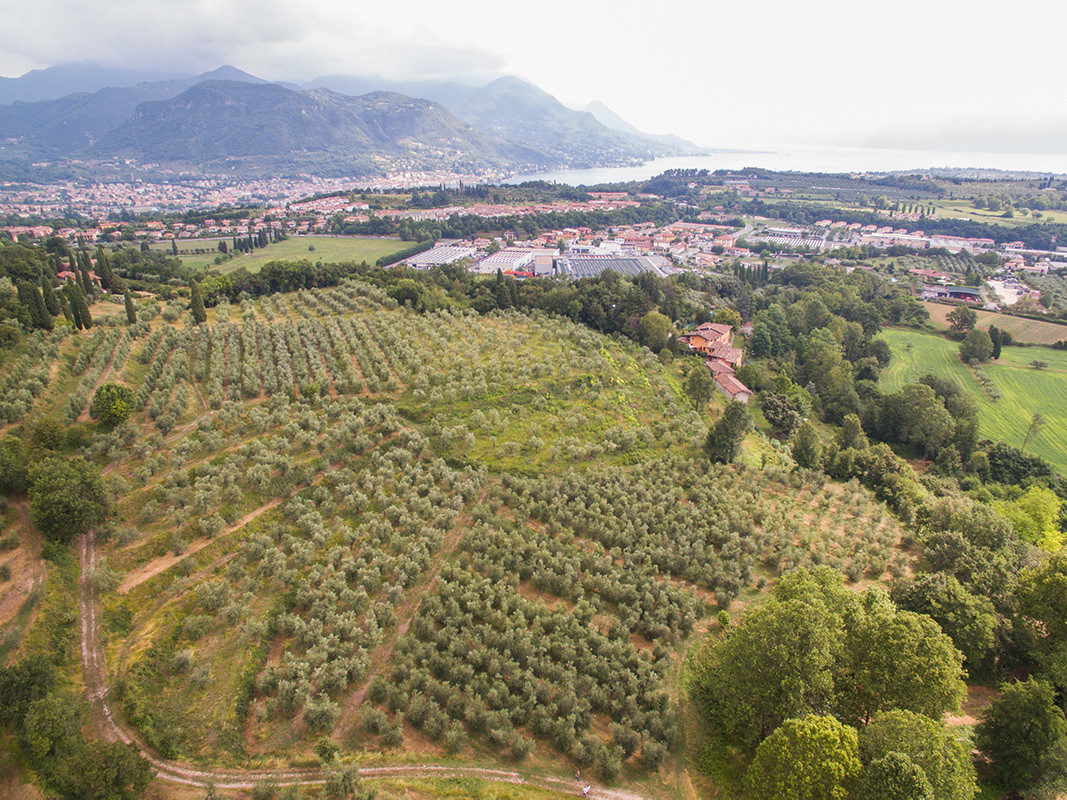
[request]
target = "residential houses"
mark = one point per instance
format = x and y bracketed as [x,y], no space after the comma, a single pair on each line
[715,340]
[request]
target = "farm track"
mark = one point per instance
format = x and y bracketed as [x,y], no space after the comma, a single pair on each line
[108,725]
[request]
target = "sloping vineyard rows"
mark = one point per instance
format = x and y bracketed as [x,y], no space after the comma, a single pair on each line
[704,524]
[108,346]
[29,375]
[344,552]
[482,659]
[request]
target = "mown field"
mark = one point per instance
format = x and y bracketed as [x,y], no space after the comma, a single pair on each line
[328,249]
[437,537]
[964,209]
[1027,331]
[1023,389]
[313,248]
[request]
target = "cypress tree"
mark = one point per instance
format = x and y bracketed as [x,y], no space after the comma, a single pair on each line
[83,307]
[31,298]
[196,304]
[103,269]
[997,339]
[131,312]
[72,302]
[64,305]
[174,247]
[51,302]
[83,272]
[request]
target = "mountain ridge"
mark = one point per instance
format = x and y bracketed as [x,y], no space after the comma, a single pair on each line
[218,122]
[508,125]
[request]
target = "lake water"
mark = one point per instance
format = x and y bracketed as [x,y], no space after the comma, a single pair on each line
[814,159]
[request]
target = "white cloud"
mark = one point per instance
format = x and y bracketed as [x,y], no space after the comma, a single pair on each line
[729,74]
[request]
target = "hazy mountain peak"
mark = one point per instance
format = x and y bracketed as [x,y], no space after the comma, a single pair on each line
[609,119]
[228,72]
[70,78]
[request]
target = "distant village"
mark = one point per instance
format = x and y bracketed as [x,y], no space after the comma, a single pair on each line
[714,242]
[714,239]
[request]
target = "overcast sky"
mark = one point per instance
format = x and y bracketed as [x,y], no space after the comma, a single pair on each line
[722,74]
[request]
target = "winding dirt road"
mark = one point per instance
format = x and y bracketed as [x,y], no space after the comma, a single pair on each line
[95,674]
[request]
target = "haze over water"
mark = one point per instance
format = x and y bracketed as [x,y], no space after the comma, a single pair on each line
[809,158]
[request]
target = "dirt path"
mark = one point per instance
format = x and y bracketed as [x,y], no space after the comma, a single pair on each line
[404,614]
[163,563]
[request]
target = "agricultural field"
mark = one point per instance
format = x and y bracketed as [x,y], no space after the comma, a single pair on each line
[1026,331]
[964,209]
[435,538]
[329,249]
[1017,390]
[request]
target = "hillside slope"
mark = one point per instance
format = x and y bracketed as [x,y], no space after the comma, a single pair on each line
[218,121]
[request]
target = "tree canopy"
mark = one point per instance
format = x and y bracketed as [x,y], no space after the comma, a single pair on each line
[943,761]
[816,647]
[811,758]
[1018,731]
[112,403]
[893,777]
[723,442]
[67,498]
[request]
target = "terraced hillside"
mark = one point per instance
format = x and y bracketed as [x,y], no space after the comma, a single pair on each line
[445,538]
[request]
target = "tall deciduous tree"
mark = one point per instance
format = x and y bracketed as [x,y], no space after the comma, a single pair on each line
[723,442]
[812,758]
[893,777]
[1018,731]
[969,619]
[654,331]
[699,385]
[962,319]
[806,447]
[112,771]
[976,346]
[112,403]
[1043,602]
[67,498]
[23,683]
[944,762]
[816,647]
[899,659]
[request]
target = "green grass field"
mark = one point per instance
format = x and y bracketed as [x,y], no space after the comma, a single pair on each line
[1028,331]
[1024,390]
[326,249]
[964,209]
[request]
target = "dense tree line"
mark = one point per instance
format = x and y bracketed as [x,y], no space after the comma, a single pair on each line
[467,226]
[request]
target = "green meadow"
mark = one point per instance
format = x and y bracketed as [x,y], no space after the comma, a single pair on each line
[313,248]
[1023,389]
